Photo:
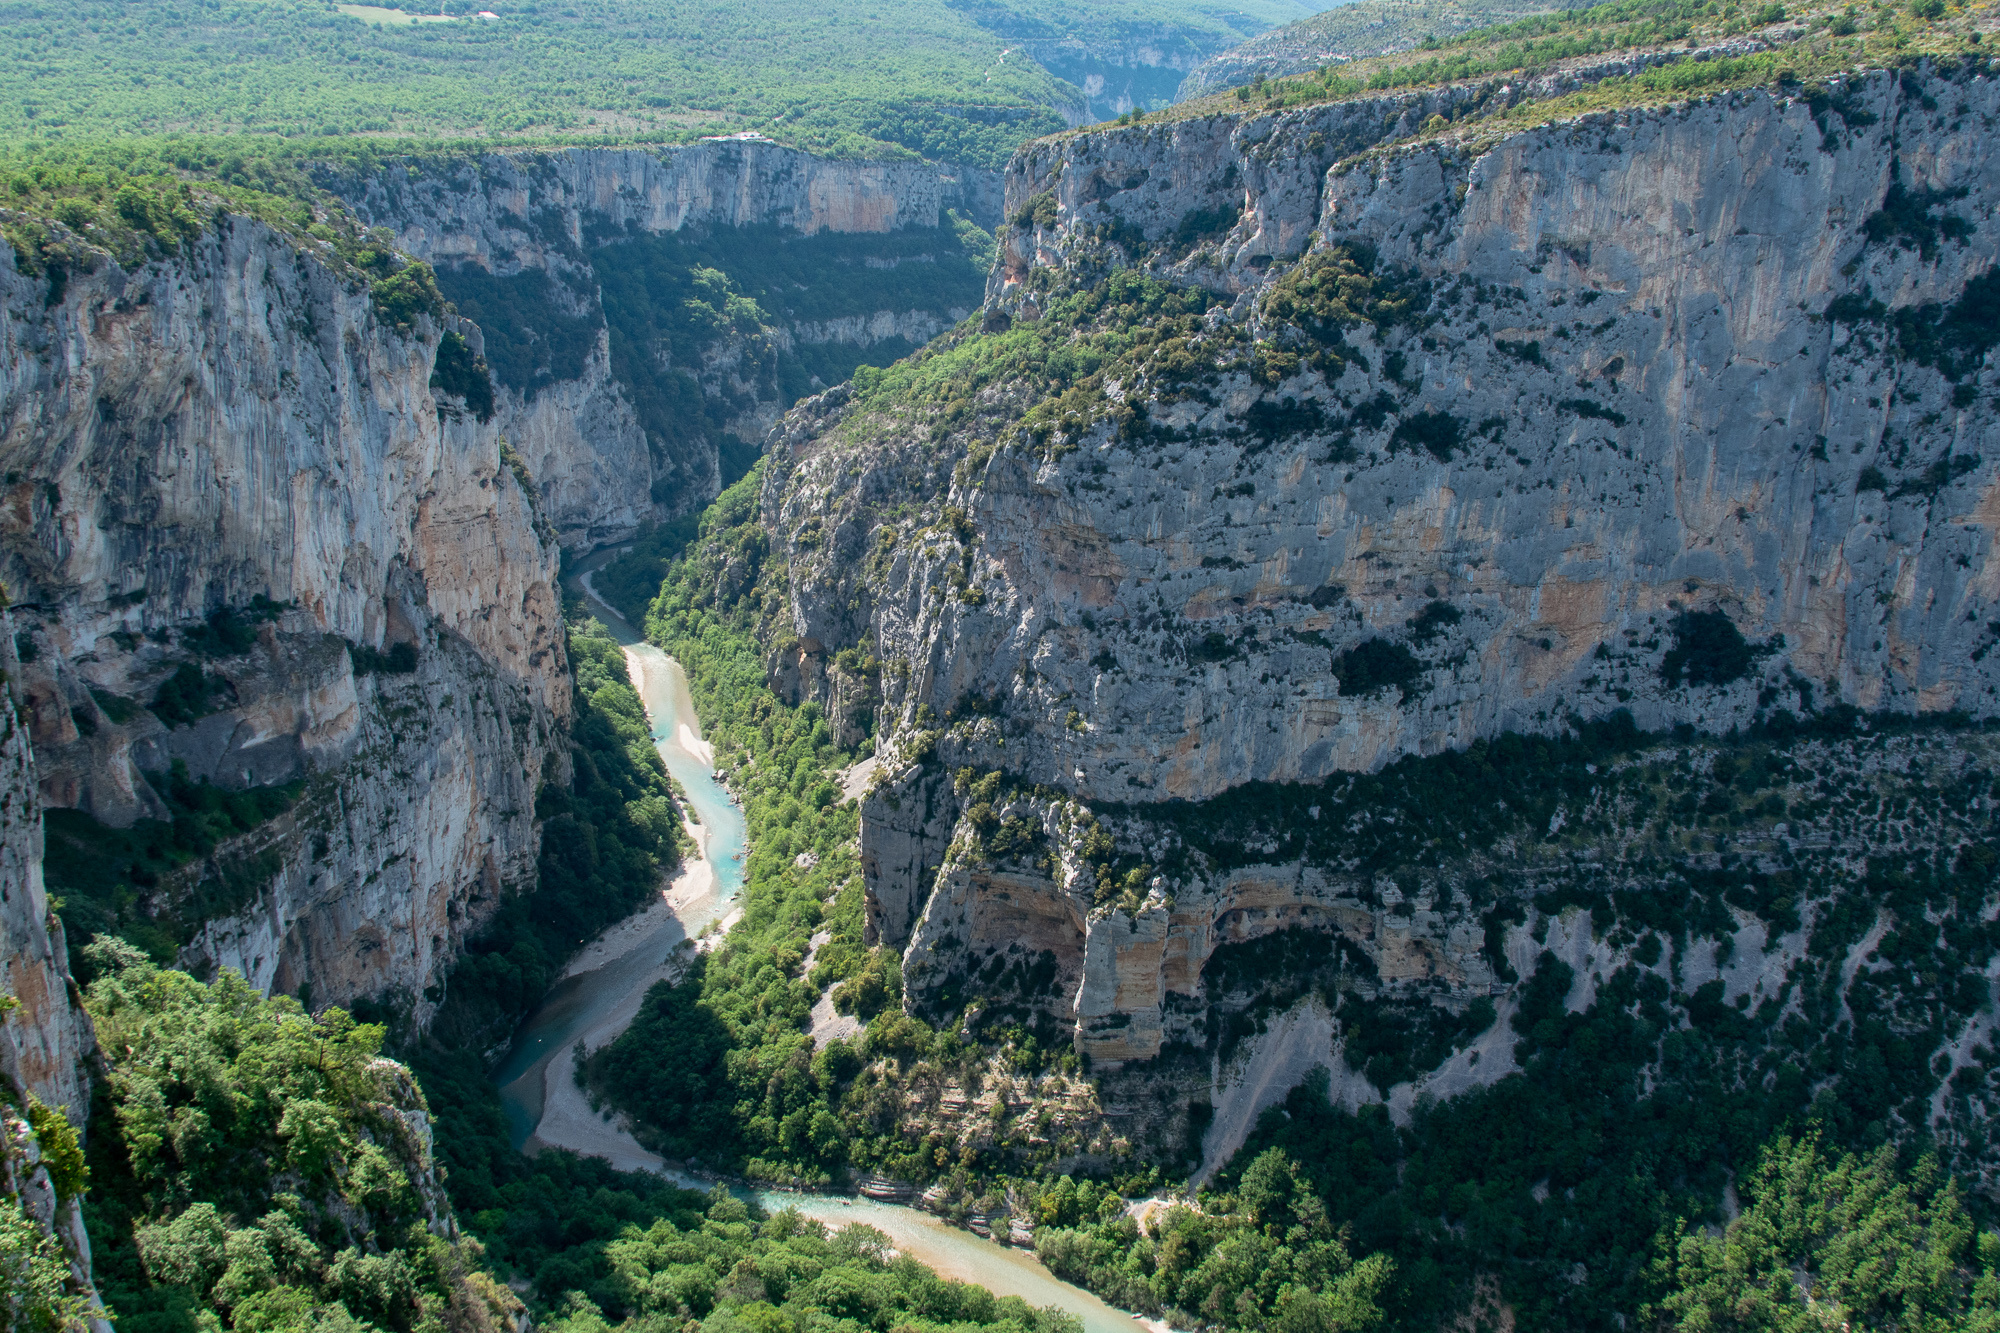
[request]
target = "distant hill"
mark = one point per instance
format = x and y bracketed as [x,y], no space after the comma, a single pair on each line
[1350,32]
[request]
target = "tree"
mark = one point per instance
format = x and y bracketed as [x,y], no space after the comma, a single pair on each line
[1833,1243]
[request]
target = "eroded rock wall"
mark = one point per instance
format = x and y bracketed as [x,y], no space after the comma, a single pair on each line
[226,469]
[45,1038]
[1690,432]
[1679,411]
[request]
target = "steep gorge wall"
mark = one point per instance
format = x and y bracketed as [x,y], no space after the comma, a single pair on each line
[516,216]
[226,468]
[45,1037]
[1687,415]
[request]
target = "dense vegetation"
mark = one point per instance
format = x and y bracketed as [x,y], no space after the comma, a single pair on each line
[736,1269]
[1270,1257]
[260,1169]
[1824,1241]
[1837,1240]
[1353,31]
[631,581]
[257,1168]
[1494,60]
[840,78]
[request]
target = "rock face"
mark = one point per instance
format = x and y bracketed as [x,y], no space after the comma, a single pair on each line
[44,1040]
[45,1036]
[557,220]
[1683,412]
[1142,68]
[228,481]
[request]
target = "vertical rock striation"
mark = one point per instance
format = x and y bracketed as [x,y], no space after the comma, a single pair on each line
[249,545]
[45,1035]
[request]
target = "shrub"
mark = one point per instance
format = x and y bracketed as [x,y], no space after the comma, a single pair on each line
[407,293]
[460,374]
[1438,433]
[186,696]
[399,660]
[1375,665]
[1708,650]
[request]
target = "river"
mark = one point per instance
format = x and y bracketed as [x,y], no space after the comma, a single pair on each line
[600,992]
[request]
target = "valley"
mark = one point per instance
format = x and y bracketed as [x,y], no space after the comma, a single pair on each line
[1272,674]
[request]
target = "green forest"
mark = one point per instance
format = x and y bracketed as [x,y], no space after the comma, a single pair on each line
[257,1168]
[848,78]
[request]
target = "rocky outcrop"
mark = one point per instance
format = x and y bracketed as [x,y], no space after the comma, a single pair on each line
[45,1037]
[247,542]
[520,217]
[1140,69]
[527,207]
[1114,62]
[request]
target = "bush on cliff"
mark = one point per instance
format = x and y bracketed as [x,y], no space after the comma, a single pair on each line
[459,374]
[406,293]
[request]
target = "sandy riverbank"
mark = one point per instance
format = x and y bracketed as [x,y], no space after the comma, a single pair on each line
[683,913]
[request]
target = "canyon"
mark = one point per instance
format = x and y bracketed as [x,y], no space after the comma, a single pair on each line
[271,559]
[1344,587]
[232,483]
[229,470]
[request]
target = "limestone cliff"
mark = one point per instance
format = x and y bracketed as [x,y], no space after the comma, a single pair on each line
[250,546]
[47,1035]
[1300,443]
[1624,401]
[527,239]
